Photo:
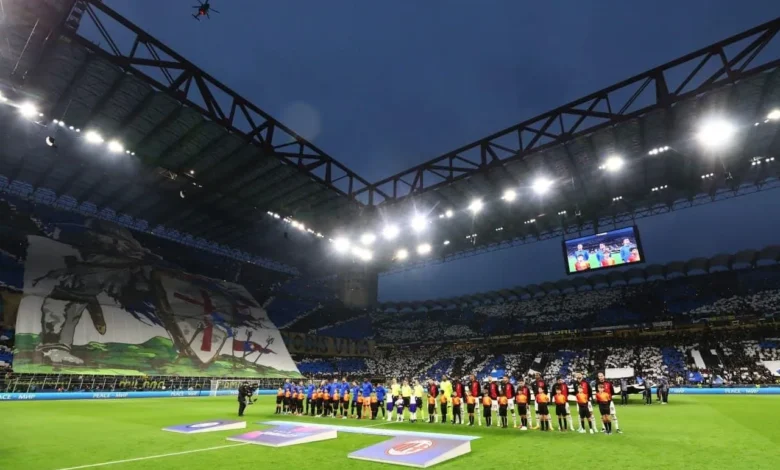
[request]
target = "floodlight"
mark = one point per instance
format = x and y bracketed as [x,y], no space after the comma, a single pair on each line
[28,110]
[367,239]
[362,253]
[390,232]
[93,137]
[3,98]
[341,245]
[509,195]
[446,242]
[419,223]
[424,249]
[51,142]
[774,115]
[613,163]
[401,254]
[448,213]
[476,206]
[716,133]
[115,147]
[541,185]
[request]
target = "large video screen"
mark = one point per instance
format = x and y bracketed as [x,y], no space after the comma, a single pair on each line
[603,250]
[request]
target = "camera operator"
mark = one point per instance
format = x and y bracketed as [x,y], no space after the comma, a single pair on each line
[245,392]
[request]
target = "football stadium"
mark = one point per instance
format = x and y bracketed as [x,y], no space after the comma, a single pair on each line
[187,282]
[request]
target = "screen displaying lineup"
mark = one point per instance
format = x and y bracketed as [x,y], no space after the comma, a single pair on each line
[603,250]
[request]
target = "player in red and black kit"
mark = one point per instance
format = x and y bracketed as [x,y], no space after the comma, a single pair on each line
[493,392]
[608,388]
[508,390]
[564,388]
[538,386]
[458,390]
[523,400]
[579,381]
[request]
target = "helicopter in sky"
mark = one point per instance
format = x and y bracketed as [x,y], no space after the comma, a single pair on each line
[203,10]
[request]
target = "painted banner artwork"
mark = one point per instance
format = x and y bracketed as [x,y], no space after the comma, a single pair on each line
[302,343]
[91,299]
[414,451]
[206,426]
[286,435]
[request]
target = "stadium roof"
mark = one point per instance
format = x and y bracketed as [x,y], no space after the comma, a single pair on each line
[232,162]
[239,169]
[721,262]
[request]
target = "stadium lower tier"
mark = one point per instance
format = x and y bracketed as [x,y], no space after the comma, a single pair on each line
[679,435]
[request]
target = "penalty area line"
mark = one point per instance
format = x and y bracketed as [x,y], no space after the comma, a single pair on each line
[150,457]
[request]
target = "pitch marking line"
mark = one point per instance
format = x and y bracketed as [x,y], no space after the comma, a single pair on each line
[160,456]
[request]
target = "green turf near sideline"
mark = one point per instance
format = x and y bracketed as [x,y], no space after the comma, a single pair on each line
[702,432]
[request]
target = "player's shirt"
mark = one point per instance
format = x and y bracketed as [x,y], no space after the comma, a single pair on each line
[459,391]
[310,392]
[336,395]
[608,388]
[493,390]
[374,401]
[607,262]
[581,265]
[360,399]
[355,391]
[326,396]
[562,387]
[540,386]
[287,386]
[380,393]
[583,399]
[345,388]
[560,399]
[288,394]
[279,393]
[418,391]
[431,400]
[455,400]
[474,387]
[470,400]
[625,253]
[525,393]
[406,391]
[509,390]
[584,253]
[395,389]
[443,399]
[446,386]
[633,258]
[367,389]
[585,386]
[503,401]
[487,402]
[542,397]
[345,398]
[433,390]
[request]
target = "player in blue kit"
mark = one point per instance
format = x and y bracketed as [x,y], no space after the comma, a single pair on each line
[355,392]
[381,394]
[310,399]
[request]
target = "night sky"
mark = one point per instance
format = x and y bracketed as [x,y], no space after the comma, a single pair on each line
[382,86]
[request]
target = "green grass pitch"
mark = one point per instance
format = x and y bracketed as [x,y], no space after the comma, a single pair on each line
[712,432]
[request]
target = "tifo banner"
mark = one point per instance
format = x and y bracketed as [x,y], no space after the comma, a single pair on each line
[301,343]
[96,301]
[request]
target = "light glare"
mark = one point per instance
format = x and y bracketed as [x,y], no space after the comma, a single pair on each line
[424,249]
[716,133]
[401,254]
[476,206]
[367,239]
[419,223]
[613,164]
[115,147]
[390,232]
[93,137]
[28,110]
[541,185]
[448,213]
[774,115]
[341,244]
[509,195]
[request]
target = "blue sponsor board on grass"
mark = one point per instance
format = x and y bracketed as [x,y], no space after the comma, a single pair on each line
[414,451]
[286,435]
[207,426]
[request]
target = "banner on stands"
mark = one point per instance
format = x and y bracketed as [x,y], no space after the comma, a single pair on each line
[301,343]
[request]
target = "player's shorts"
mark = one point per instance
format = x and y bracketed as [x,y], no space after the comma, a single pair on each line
[494,405]
[584,411]
[568,410]
[431,409]
[381,403]
[502,410]
[522,409]
[407,401]
[560,410]
[470,409]
[604,409]
[486,410]
[412,407]
[612,410]
[511,403]
[278,400]
[542,409]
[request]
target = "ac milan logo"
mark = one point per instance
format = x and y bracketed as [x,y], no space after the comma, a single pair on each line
[410,447]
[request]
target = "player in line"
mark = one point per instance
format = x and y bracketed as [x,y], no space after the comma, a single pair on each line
[609,390]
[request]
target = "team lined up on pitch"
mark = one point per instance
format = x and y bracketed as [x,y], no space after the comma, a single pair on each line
[447,402]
